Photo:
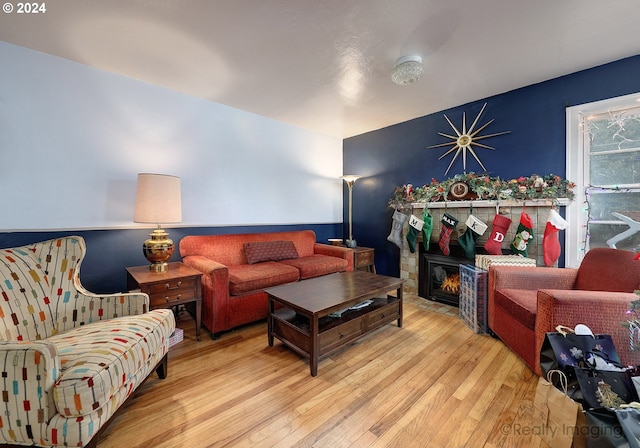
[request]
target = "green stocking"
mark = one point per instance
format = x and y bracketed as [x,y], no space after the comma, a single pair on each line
[427,228]
[475,228]
[415,227]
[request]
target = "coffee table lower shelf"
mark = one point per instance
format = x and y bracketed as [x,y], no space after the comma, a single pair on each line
[298,331]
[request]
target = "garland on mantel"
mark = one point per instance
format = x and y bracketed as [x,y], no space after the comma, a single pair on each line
[483,187]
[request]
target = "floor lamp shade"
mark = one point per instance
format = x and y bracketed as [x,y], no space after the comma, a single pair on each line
[158,201]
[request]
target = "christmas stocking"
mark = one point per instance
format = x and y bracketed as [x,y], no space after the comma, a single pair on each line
[500,227]
[475,229]
[523,235]
[550,240]
[448,224]
[415,227]
[396,228]
[427,228]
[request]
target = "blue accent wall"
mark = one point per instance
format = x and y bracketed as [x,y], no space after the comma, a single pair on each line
[535,115]
[109,252]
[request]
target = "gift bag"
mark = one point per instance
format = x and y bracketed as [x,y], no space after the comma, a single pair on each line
[634,372]
[603,429]
[629,419]
[564,348]
[610,389]
[555,415]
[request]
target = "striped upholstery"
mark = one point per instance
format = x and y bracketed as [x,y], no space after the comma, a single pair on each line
[68,358]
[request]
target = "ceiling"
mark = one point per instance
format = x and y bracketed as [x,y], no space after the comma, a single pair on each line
[325,65]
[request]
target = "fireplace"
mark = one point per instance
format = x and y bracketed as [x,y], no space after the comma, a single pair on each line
[439,275]
[411,262]
[440,278]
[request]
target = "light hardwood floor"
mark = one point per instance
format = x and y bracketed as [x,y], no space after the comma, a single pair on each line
[432,383]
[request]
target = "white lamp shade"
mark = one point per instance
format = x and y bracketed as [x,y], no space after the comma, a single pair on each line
[350,178]
[158,199]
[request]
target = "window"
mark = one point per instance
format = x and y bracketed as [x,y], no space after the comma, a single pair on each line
[603,159]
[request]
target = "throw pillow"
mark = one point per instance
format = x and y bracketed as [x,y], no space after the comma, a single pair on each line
[260,251]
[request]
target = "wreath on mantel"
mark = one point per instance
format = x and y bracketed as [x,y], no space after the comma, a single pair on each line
[471,186]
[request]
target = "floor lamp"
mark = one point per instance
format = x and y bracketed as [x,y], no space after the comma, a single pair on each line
[350,179]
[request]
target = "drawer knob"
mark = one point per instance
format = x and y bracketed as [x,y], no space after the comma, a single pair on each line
[168,299]
[169,287]
[341,335]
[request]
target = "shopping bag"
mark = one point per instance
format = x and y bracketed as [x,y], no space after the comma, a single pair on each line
[555,415]
[610,389]
[564,348]
[634,372]
[629,420]
[603,429]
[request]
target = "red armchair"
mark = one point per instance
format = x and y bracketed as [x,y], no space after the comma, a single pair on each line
[527,302]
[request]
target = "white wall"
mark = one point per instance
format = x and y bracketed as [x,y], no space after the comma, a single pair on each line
[73,138]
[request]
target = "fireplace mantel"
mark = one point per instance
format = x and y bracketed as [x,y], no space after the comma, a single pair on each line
[484,210]
[562,202]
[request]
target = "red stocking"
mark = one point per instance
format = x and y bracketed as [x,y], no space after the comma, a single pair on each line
[500,227]
[550,240]
[448,224]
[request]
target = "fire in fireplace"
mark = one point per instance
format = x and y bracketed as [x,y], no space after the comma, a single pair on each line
[451,284]
[439,277]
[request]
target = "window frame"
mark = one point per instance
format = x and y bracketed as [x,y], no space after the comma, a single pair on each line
[577,171]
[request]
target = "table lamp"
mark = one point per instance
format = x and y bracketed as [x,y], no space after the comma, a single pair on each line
[158,202]
[350,179]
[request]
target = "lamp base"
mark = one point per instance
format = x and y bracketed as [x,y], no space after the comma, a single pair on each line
[158,250]
[351,244]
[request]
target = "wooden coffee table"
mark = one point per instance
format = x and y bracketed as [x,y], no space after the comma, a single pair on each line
[300,314]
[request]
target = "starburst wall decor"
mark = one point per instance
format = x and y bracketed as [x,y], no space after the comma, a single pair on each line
[465,140]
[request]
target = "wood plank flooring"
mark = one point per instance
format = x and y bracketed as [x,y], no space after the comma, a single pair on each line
[432,383]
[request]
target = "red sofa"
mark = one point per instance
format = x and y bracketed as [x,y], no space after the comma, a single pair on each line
[527,302]
[237,268]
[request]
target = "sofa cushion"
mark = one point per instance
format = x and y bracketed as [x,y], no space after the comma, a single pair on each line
[521,304]
[317,265]
[259,251]
[99,359]
[250,277]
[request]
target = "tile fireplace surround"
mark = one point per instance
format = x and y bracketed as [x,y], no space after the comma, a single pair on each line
[483,210]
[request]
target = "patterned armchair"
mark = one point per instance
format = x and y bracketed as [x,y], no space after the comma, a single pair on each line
[68,358]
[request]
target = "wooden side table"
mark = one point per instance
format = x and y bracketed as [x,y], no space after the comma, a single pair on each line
[363,259]
[179,285]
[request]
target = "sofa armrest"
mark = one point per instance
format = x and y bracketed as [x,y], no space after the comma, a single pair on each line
[335,251]
[204,264]
[31,369]
[603,312]
[215,289]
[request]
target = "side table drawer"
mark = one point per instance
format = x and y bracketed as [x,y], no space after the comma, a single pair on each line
[171,297]
[171,292]
[172,286]
[364,259]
